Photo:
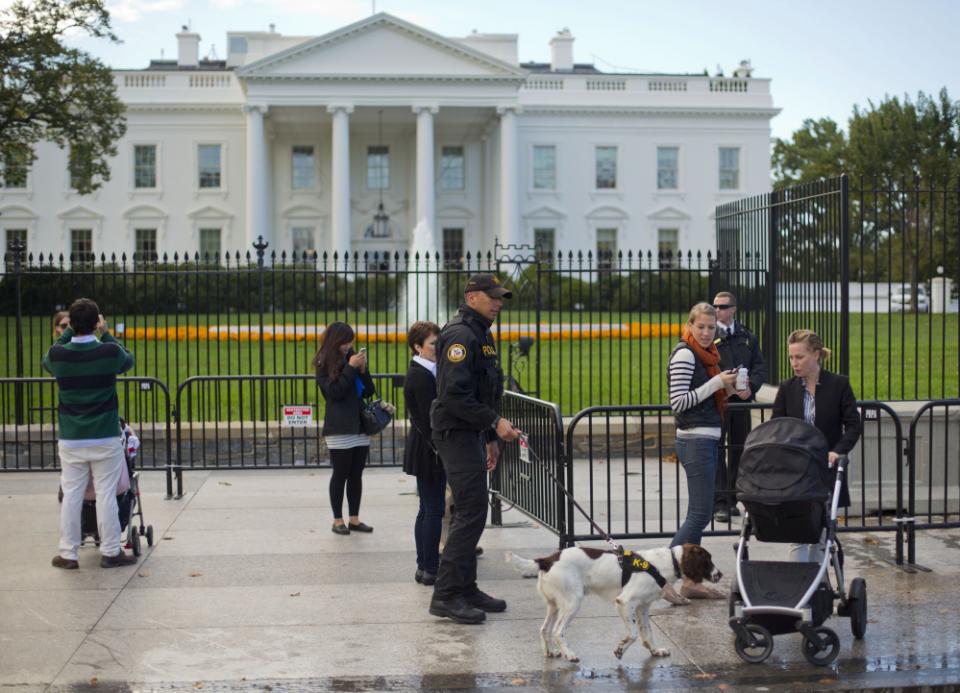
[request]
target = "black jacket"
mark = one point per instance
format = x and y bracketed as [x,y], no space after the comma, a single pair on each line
[836,415]
[469,379]
[419,391]
[742,348]
[704,414]
[343,403]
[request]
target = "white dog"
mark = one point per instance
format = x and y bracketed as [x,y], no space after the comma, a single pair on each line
[563,579]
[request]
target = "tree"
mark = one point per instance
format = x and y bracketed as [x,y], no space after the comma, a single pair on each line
[816,151]
[49,91]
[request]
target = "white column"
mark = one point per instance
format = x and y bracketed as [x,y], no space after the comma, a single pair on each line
[508,233]
[258,179]
[340,180]
[426,192]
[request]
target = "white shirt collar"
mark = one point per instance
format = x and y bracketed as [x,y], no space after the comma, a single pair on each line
[429,365]
[84,339]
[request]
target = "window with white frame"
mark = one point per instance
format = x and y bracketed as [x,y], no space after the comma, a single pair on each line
[15,236]
[145,166]
[451,168]
[303,243]
[145,245]
[209,166]
[15,169]
[453,248]
[729,159]
[210,244]
[81,245]
[378,167]
[606,168]
[303,175]
[606,248]
[544,240]
[667,247]
[544,167]
[668,168]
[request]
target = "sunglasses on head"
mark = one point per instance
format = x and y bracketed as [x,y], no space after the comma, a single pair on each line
[721,306]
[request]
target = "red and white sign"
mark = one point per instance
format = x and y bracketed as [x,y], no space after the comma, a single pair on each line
[297,415]
[524,441]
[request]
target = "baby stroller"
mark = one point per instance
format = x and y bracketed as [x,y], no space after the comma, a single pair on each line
[128,501]
[784,485]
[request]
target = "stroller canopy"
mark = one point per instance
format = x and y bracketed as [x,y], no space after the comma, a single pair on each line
[784,459]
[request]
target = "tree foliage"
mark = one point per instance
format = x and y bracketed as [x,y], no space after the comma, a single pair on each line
[49,91]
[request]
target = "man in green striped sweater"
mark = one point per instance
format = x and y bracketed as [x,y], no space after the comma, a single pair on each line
[86,369]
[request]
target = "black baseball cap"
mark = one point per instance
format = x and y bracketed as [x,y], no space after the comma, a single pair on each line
[488,284]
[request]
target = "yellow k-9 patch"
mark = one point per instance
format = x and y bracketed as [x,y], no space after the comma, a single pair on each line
[489,350]
[456,353]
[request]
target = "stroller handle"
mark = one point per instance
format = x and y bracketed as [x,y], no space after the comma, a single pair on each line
[842,462]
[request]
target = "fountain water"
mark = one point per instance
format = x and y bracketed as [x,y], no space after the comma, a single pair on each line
[422,296]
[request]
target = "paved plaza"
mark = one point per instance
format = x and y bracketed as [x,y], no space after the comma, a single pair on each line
[246,588]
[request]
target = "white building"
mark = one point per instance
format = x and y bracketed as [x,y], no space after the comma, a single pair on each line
[298,139]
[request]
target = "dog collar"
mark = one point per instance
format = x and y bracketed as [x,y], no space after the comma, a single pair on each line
[635,563]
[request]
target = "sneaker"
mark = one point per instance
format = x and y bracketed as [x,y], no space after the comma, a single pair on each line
[456,609]
[485,602]
[722,515]
[121,559]
[65,563]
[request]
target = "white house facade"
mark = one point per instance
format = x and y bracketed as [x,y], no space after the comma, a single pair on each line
[300,140]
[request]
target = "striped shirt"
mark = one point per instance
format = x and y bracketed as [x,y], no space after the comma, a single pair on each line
[682,397]
[86,369]
[345,441]
[809,404]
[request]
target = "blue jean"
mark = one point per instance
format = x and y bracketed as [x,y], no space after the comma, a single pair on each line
[698,455]
[426,530]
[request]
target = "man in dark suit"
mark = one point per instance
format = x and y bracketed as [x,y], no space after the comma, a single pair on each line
[738,347]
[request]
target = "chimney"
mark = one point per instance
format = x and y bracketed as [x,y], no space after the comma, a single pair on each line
[188,48]
[561,51]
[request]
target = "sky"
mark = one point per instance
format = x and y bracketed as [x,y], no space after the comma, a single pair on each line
[823,57]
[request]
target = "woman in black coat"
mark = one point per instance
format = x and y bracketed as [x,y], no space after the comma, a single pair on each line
[419,457]
[822,399]
[344,381]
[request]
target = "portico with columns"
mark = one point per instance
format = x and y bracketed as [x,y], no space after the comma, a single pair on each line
[333,91]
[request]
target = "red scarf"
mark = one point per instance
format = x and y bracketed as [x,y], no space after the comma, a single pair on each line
[710,358]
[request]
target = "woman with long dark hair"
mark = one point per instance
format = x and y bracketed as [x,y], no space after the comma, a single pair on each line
[344,380]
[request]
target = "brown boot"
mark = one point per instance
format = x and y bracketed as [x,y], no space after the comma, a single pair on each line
[65,563]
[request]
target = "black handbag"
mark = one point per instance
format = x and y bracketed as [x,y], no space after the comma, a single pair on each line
[373,417]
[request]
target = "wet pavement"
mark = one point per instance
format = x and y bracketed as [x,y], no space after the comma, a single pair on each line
[247,589]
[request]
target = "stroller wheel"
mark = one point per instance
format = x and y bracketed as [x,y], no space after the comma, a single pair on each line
[759,647]
[857,606]
[133,538]
[822,656]
[149,535]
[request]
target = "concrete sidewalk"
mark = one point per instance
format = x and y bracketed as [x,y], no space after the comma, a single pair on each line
[246,588]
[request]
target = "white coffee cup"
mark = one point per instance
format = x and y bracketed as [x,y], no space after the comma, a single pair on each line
[743,381]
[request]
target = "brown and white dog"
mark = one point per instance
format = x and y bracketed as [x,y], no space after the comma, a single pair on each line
[563,578]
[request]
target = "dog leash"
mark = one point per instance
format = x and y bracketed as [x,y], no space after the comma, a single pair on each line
[617,548]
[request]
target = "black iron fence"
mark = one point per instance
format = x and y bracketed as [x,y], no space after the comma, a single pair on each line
[873,266]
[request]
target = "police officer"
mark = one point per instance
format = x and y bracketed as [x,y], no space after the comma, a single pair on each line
[466,428]
[738,346]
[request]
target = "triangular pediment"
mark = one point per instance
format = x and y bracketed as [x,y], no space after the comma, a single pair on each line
[209,212]
[668,213]
[80,212]
[381,47]
[545,213]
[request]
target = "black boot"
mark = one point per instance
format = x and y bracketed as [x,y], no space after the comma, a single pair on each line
[457,609]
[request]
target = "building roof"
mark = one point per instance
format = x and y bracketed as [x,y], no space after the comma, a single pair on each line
[169,65]
[591,69]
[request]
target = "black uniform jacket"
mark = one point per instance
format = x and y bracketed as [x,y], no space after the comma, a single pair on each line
[742,348]
[836,414]
[469,379]
[419,391]
[343,403]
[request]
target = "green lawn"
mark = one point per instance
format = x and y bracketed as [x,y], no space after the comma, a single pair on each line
[892,357]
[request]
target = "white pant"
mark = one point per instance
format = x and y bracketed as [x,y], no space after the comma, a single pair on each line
[809,553]
[104,462]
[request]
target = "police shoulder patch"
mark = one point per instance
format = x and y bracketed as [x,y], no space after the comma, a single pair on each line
[456,353]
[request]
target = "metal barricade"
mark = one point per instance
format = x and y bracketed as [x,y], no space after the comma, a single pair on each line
[532,482]
[29,426]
